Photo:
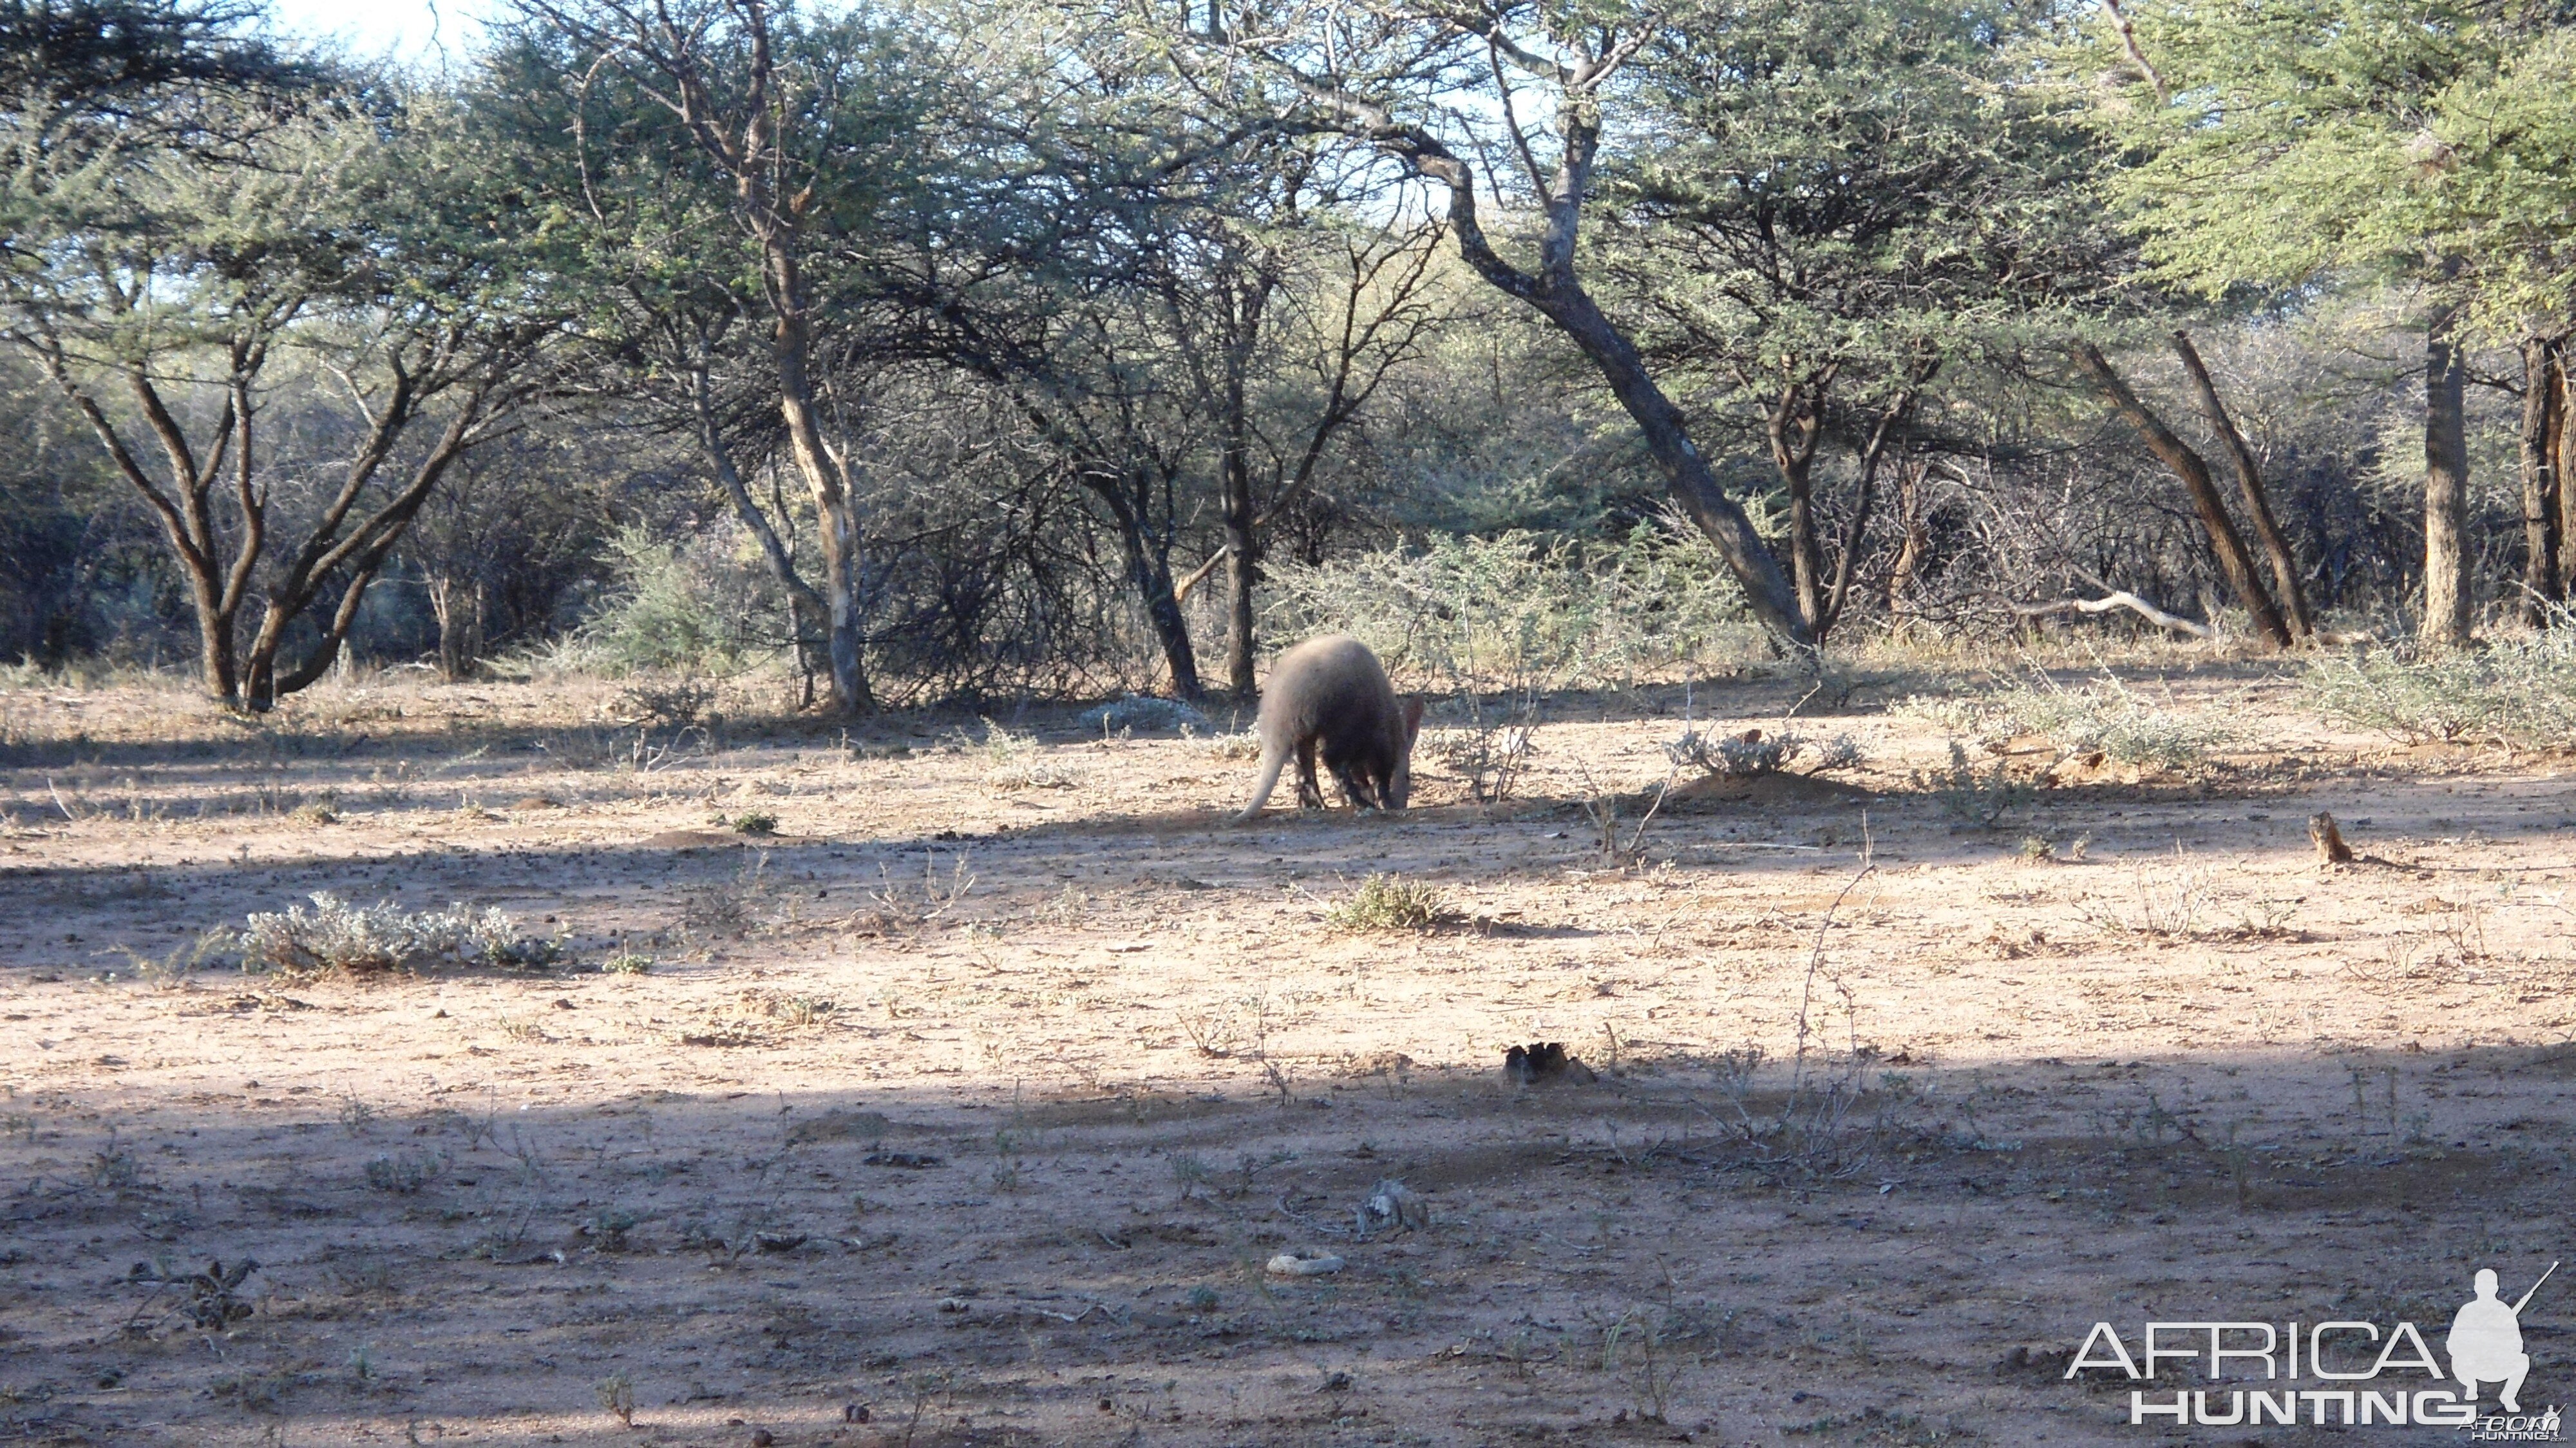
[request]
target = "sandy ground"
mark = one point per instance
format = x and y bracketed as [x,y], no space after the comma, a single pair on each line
[961,1113]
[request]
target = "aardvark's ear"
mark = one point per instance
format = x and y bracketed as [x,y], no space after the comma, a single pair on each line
[1412,719]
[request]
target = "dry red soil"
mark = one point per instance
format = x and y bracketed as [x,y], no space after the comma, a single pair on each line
[972,1104]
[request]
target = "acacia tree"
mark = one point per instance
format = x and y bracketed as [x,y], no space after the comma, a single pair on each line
[798,120]
[2288,148]
[1837,200]
[162,285]
[1455,94]
[663,283]
[1288,320]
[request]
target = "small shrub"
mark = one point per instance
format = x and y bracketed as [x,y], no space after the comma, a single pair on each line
[736,906]
[2103,716]
[213,1299]
[1246,745]
[1969,795]
[1493,749]
[1035,775]
[1752,754]
[626,962]
[608,1226]
[802,1010]
[666,703]
[2162,903]
[617,1398]
[1391,902]
[2514,692]
[902,907]
[113,1166]
[172,969]
[1013,761]
[688,607]
[404,1173]
[315,812]
[755,822]
[338,937]
[1522,612]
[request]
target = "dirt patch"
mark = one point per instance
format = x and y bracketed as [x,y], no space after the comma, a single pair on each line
[957,1114]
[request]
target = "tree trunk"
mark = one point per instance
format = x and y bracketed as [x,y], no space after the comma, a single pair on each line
[1243,560]
[835,520]
[805,608]
[218,645]
[459,612]
[776,223]
[1556,293]
[2541,522]
[1149,569]
[1794,425]
[2249,482]
[360,550]
[1916,540]
[2224,540]
[1847,561]
[2448,600]
[2562,468]
[1692,482]
[187,520]
[1243,553]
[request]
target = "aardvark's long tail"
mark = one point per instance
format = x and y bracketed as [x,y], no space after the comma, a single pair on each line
[1272,761]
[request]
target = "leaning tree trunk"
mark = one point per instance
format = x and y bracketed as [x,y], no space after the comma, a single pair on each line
[2541,521]
[2249,482]
[1692,482]
[2224,540]
[836,518]
[2447,588]
[806,611]
[1149,572]
[1555,292]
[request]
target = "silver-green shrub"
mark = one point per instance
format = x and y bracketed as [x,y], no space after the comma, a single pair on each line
[373,939]
[2516,692]
[1520,612]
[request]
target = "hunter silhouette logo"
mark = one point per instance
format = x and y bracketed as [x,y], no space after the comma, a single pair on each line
[2363,1376]
[2486,1342]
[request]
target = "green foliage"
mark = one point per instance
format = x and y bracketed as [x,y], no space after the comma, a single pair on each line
[1855,184]
[2516,692]
[1391,902]
[404,1173]
[686,606]
[1753,754]
[2353,140]
[1518,613]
